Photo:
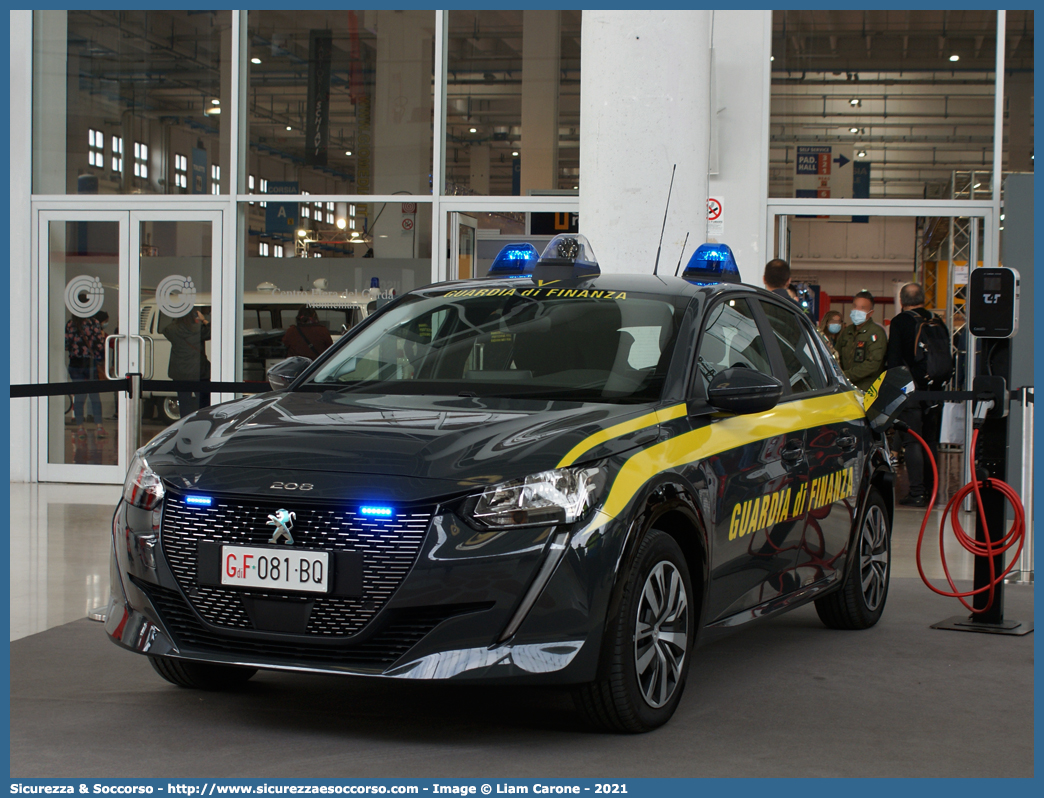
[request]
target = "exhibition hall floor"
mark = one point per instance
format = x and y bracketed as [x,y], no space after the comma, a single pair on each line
[786,697]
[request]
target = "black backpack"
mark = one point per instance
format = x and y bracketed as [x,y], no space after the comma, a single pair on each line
[932,351]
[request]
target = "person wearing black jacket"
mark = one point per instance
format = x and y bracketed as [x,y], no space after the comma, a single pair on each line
[777,279]
[921,417]
[308,337]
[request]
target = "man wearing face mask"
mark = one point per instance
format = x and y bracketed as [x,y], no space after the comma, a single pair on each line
[862,346]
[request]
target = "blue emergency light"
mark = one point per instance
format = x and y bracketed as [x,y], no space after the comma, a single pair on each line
[376,511]
[199,501]
[711,264]
[514,260]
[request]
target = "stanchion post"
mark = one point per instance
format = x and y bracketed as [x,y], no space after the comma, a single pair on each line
[1026,558]
[133,415]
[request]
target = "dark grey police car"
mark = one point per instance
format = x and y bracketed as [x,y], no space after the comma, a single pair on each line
[551,476]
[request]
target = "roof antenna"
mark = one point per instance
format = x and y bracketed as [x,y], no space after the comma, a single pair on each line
[657,263]
[681,255]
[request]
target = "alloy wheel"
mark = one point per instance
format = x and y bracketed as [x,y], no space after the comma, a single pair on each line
[873,557]
[661,634]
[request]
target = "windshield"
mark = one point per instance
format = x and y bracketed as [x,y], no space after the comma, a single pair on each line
[540,342]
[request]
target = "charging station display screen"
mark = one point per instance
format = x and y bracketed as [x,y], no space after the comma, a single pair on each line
[993,302]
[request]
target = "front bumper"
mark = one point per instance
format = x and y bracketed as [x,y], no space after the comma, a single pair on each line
[445,620]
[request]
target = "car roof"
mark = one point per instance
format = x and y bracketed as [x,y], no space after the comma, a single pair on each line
[667,285]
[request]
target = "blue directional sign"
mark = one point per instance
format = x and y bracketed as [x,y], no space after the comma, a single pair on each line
[281,217]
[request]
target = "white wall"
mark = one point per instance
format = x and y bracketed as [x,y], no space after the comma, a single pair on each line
[20,285]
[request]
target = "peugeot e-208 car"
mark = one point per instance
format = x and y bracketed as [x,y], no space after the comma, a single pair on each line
[561,478]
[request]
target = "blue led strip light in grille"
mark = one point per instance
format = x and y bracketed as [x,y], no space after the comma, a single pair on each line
[375,511]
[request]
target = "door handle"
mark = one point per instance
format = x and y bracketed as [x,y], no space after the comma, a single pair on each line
[109,374]
[847,443]
[793,452]
[147,352]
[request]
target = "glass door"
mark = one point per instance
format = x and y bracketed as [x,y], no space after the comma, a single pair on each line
[82,259]
[463,235]
[122,292]
[176,313]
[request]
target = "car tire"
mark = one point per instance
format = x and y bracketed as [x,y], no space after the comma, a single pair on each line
[645,669]
[201,675]
[169,409]
[859,602]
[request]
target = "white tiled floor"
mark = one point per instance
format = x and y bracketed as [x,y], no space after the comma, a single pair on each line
[60,552]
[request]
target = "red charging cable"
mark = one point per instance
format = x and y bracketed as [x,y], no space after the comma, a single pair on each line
[1016,534]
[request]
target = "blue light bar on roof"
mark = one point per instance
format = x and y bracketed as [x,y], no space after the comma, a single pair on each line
[375,511]
[514,260]
[199,501]
[710,264]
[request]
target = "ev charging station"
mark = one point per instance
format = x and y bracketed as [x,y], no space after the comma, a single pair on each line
[993,307]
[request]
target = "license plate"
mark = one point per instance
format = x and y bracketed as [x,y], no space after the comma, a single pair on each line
[275,569]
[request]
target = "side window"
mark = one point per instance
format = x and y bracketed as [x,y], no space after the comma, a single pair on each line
[730,339]
[803,369]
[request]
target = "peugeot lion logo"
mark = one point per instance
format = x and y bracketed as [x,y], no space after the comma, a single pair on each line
[283,521]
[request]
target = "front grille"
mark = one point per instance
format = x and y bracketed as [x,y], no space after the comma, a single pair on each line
[388,547]
[402,631]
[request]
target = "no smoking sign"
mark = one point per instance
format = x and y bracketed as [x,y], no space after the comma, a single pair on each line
[407,224]
[715,217]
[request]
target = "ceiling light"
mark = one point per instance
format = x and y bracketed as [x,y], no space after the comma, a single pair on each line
[341,224]
[215,102]
[853,130]
[347,152]
[382,236]
[955,58]
[288,127]
[862,154]
[515,154]
[255,60]
[301,232]
[854,102]
[474,130]
[772,58]
[212,111]
[977,185]
[1002,217]
[577,188]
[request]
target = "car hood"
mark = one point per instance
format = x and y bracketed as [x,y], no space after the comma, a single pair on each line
[455,441]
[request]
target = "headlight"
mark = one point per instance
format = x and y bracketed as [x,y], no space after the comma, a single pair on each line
[550,497]
[143,487]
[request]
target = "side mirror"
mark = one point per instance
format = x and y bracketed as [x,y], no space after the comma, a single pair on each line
[286,371]
[743,390]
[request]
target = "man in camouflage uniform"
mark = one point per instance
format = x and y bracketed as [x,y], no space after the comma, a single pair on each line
[863,345]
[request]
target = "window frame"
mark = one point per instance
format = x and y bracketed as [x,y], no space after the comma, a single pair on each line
[776,353]
[694,384]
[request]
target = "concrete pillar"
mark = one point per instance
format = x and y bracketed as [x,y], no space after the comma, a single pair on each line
[644,107]
[1019,87]
[402,133]
[480,168]
[541,56]
[50,110]
[742,82]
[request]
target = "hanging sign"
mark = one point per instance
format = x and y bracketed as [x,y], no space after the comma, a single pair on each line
[317,125]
